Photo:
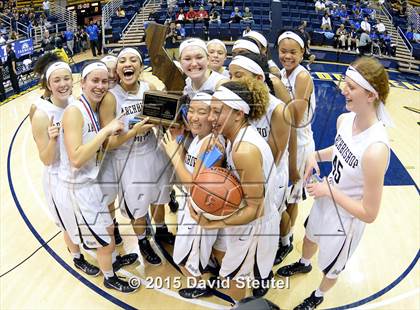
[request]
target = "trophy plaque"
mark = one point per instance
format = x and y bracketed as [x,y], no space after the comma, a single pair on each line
[162,108]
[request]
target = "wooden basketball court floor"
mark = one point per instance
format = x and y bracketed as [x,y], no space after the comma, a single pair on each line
[383,273]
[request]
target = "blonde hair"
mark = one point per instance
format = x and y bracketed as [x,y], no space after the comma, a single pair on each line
[254,92]
[374,72]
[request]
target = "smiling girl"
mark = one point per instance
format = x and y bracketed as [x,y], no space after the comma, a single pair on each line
[193,244]
[46,118]
[139,164]
[217,56]
[251,234]
[302,105]
[194,61]
[81,155]
[350,196]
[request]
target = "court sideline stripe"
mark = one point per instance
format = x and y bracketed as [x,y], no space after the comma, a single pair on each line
[391,300]
[92,286]
[127,306]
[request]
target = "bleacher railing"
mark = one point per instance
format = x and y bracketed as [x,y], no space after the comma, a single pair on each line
[6,20]
[128,24]
[389,15]
[64,16]
[108,10]
[405,40]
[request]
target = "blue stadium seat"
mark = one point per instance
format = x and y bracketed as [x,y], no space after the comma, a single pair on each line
[224,31]
[235,31]
[189,30]
[214,32]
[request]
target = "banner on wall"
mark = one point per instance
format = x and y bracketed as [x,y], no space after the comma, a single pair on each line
[20,47]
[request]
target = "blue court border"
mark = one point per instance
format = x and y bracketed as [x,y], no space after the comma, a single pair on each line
[124,305]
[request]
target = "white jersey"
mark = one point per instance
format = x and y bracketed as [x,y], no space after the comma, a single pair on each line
[210,84]
[56,113]
[225,73]
[304,132]
[348,150]
[250,134]
[90,169]
[263,126]
[192,153]
[132,105]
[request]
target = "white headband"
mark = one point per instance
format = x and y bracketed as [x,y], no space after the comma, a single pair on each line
[293,36]
[56,66]
[203,97]
[356,77]
[93,66]
[129,50]
[245,44]
[248,64]
[231,99]
[257,36]
[192,42]
[110,58]
[217,41]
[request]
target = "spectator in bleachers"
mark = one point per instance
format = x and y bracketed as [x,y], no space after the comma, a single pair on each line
[365,25]
[409,34]
[326,22]
[46,7]
[172,41]
[416,36]
[47,42]
[69,39]
[357,16]
[365,43]
[202,16]
[342,13]
[93,33]
[247,17]
[320,6]
[2,39]
[190,17]
[307,55]
[376,47]
[352,39]
[387,44]
[120,12]
[235,16]
[380,27]
[181,31]
[215,16]
[341,37]
[356,8]
[11,64]
[180,16]
[170,15]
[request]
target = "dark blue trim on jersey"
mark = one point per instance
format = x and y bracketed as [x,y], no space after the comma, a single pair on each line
[89,284]
[119,302]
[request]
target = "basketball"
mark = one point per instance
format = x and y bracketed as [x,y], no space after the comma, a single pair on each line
[216,193]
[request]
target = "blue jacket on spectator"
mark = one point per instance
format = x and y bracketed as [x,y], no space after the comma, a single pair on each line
[92,31]
[68,35]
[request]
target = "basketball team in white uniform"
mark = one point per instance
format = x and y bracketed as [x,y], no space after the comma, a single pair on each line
[261,124]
